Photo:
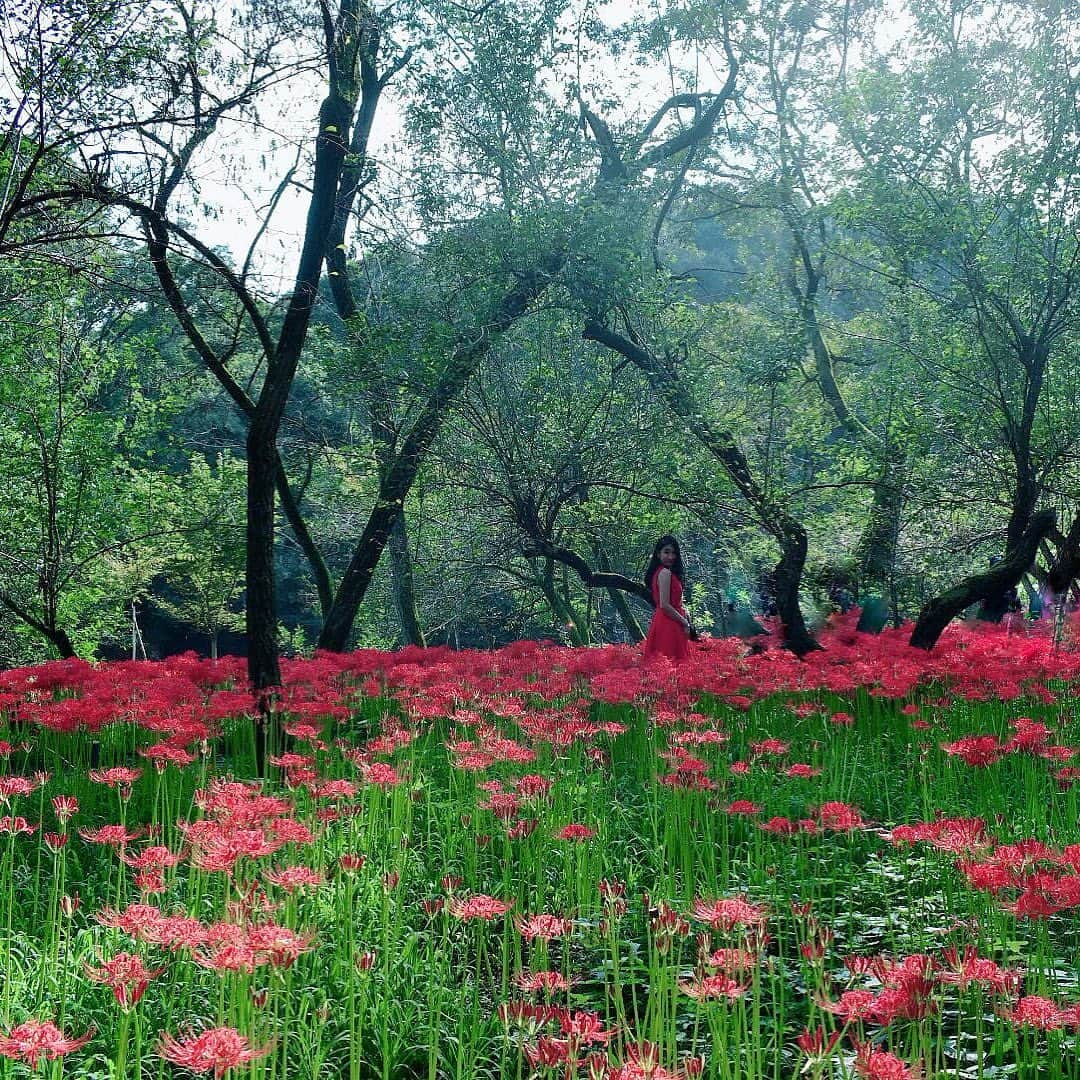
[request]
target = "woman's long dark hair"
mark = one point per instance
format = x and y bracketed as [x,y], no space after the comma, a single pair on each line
[655,563]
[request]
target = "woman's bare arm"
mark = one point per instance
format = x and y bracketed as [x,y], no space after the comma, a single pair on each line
[664,588]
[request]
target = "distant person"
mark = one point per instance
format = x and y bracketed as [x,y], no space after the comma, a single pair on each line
[766,590]
[670,629]
[1035,607]
[841,598]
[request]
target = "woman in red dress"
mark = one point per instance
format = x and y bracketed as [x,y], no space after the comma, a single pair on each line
[670,629]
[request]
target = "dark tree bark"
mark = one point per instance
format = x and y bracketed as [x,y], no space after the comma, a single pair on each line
[55,635]
[560,606]
[594,579]
[404,593]
[618,598]
[1065,568]
[1033,356]
[789,533]
[941,610]
[875,551]
[343,43]
[339,276]
[403,469]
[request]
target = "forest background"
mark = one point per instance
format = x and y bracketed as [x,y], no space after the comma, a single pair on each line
[333,324]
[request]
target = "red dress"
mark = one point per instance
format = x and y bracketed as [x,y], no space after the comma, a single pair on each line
[667,637]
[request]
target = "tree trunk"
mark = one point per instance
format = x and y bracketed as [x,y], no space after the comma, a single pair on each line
[941,610]
[563,611]
[55,635]
[404,593]
[261,596]
[1025,496]
[788,577]
[876,549]
[403,469]
[335,117]
[1066,567]
[633,627]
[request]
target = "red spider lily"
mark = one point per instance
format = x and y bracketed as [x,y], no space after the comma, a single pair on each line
[481,907]
[522,829]
[543,926]
[503,804]
[853,1005]
[527,1017]
[818,1044]
[815,950]
[291,878]
[333,789]
[956,835]
[968,968]
[69,905]
[120,777]
[874,1064]
[287,830]
[351,863]
[801,771]
[126,975]
[713,986]
[164,754]
[631,1070]
[154,857]
[111,835]
[770,747]
[36,1039]
[219,849]
[16,825]
[611,890]
[293,762]
[666,924]
[728,912]
[306,733]
[240,805]
[583,1028]
[547,1052]
[742,806]
[65,807]
[779,826]
[55,841]
[281,945]
[643,1063]
[1040,1013]
[839,817]
[214,1050]
[11,786]
[575,833]
[533,786]
[547,982]
[688,781]
[149,881]
[976,750]
[733,961]
[381,774]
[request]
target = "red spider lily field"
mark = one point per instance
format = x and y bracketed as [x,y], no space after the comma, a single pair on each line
[548,862]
